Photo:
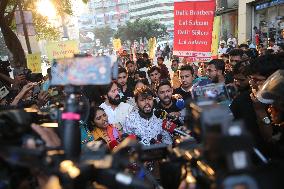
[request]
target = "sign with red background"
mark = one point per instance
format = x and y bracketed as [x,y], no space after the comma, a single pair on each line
[193,25]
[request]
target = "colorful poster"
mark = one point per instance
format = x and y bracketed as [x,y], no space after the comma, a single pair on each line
[34,62]
[193,24]
[62,49]
[215,36]
[116,44]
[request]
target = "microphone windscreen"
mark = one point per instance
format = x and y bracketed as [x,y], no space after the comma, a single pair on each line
[180,103]
[132,136]
[113,144]
[160,113]
[168,126]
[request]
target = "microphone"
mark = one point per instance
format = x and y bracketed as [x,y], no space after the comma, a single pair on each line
[180,103]
[171,128]
[158,140]
[160,113]
[130,136]
[113,144]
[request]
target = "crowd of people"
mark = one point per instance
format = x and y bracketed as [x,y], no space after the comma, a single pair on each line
[128,104]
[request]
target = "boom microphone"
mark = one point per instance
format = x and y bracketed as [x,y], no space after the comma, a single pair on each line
[113,144]
[180,103]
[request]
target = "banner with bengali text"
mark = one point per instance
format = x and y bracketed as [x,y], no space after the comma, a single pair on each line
[193,25]
[62,49]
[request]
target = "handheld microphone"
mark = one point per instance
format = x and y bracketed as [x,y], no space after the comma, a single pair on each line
[160,113]
[113,144]
[180,103]
[130,136]
[171,128]
[158,140]
[152,141]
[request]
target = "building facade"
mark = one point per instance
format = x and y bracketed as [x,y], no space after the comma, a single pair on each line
[228,12]
[160,10]
[266,15]
[109,12]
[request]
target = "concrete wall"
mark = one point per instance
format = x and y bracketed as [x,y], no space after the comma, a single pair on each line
[244,20]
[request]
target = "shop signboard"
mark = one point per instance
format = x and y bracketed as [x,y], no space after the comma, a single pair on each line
[268,4]
[193,25]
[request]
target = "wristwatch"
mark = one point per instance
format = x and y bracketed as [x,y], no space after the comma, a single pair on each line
[266,120]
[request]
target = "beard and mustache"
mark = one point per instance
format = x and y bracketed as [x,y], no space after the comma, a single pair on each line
[166,100]
[145,112]
[215,79]
[114,101]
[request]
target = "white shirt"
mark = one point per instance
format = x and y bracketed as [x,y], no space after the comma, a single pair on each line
[222,50]
[118,114]
[252,46]
[234,40]
[146,129]
[275,48]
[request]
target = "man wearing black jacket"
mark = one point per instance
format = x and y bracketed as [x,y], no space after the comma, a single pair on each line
[186,75]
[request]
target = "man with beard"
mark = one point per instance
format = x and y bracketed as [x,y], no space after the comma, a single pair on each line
[241,106]
[143,123]
[167,101]
[131,69]
[164,70]
[114,108]
[215,70]
[248,108]
[122,81]
[186,75]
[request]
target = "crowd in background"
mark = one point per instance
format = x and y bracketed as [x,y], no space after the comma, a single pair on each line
[127,105]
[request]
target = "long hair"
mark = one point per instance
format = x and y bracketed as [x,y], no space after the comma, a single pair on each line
[92,116]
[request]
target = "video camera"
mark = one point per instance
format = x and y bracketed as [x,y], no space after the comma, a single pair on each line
[15,124]
[225,144]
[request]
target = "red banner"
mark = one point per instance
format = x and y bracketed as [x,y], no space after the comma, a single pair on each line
[193,25]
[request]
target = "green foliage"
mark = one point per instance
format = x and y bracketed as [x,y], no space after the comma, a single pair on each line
[42,26]
[141,29]
[44,29]
[104,34]
[63,6]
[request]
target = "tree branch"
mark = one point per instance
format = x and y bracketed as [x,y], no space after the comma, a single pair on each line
[9,17]
[3,5]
